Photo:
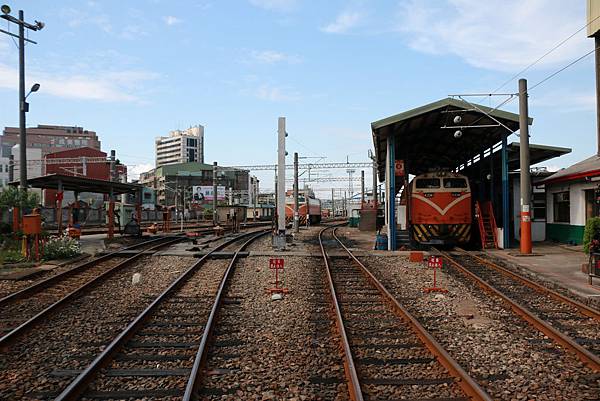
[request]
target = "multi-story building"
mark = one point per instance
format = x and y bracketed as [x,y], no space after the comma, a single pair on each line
[181,147]
[82,162]
[175,181]
[52,138]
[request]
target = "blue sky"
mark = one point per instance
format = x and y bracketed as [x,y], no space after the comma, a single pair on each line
[133,70]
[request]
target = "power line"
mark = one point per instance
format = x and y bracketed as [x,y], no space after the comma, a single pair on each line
[544,55]
[563,68]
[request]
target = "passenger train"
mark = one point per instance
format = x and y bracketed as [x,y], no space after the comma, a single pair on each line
[440,208]
[308,207]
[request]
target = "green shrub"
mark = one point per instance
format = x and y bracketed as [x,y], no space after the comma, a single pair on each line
[11,256]
[591,235]
[61,248]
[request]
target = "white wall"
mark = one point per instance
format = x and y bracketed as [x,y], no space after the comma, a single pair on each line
[576,198]
[538,227]
[33,169]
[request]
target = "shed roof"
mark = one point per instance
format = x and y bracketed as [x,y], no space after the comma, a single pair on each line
[80,184]
[425,135]
[589,167]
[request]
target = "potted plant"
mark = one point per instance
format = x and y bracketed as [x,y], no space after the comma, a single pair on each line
[591,243]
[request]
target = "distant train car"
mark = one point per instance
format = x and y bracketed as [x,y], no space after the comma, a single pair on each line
[309,207]
[440,208]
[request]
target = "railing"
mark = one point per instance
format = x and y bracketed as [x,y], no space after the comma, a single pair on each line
[479,217]
[493,223]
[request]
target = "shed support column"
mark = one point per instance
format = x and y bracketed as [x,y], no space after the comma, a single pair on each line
[390,192]
[505,204]
[111,214]
[59,199]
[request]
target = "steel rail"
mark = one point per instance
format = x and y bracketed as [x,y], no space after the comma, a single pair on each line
[354,387]
[43,284]
[588,358]
[202,353]
[582,308]
[78,386]
[466,382]
[14,334]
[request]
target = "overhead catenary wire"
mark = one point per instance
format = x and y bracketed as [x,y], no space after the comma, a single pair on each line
[562,42]
[555,73]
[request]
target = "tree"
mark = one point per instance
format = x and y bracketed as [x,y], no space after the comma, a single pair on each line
[11,197]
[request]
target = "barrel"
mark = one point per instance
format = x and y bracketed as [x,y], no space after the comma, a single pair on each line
[381,242]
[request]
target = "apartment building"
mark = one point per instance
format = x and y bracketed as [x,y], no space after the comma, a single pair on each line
[181,147]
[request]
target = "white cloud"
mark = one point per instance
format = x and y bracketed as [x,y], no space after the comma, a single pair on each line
[344,22]
[171,20]
[134,171]
[272,57]
[276,94]
[565,101]
[504,35]
[104,86]
[276,5]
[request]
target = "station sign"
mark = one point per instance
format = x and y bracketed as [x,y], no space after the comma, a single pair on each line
[399,168]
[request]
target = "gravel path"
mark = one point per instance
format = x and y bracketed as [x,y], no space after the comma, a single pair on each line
[275,350]
[38,364]
[511,360]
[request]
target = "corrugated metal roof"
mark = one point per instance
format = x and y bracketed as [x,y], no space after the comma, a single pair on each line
[424,138]
[587,167]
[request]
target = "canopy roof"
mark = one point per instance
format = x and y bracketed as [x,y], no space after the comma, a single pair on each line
[423,143]
[80,184]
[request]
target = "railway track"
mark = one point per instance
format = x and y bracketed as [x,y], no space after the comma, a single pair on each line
[569,323]
[22,310]
[387,352]
[160,353]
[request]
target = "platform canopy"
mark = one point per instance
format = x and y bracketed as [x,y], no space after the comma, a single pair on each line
[80,184]
[424,136]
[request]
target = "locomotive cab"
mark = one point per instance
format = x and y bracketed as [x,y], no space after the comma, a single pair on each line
[440,208]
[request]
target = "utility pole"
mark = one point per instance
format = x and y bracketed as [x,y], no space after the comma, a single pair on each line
[281,134]
[215,215]
[524,167]
[296,203]
[22,111]
[362,187]
[23,105]
[597,45]
[375,189]
[111,199]
[332,204]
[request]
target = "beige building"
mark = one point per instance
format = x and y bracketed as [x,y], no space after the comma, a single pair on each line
[180,147]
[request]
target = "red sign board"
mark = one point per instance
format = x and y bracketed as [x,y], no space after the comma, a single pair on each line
[276,263]
[399,167]
[435,262]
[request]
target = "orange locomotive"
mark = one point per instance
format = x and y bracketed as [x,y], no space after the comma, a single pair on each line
[440,208]
[306,202]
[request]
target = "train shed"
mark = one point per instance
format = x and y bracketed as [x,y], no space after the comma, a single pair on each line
[476,145]
[61,183]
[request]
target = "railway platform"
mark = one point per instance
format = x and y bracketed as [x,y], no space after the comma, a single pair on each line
[557,263]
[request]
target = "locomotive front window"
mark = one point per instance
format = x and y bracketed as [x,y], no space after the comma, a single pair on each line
[428,183]
[455,183]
